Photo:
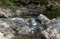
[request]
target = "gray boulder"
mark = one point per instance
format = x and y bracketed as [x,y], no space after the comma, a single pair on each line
[11,28]
[55,23]
[43,18]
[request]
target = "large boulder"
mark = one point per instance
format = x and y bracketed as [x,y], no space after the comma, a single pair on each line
[12,28]
[43,18]
[53,27]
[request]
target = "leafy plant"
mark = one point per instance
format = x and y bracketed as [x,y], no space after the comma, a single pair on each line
[9,3]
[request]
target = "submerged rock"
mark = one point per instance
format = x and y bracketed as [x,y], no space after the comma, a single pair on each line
[33,24]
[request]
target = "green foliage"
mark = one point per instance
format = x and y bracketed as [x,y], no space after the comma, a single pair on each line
[11,6]
[8,3]
[44,2]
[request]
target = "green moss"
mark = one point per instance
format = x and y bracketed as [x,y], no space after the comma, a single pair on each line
[11,6]
[8,3]
[44,2]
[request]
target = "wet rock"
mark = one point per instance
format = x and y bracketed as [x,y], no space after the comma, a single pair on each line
[55,23]
[43,18]
[51,33]
[33,24]
[13,27]
[53,29]
[24,30]
[54,34]
[41,27]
